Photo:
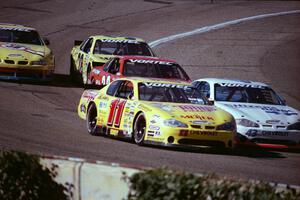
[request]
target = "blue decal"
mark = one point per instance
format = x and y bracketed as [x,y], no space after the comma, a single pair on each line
[267,109]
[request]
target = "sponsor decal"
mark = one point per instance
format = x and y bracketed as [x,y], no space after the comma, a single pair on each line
[90,95]
[193,108]
[22,48]
[206,133]
[120,41]
[254,133]
[152,127]
[102,105]
[196,116]
[15,29]
[241,85]
[96,71]
[267,109]
[83,108]
[163,107]
[272,121]
[198,122]
[14,55]
[167,85]
[150,62]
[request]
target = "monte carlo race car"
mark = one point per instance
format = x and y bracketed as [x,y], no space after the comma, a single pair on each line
[157,112]
[262,117]
[24,54]
[138,66]
[97,50]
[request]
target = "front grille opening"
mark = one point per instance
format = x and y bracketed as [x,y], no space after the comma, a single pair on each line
[209,127]
[281,127]
[196,126]
[23,62]
[9,62]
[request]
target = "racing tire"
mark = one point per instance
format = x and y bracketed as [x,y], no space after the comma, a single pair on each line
[91,120]
[86,81]
[74,74]
[139,130]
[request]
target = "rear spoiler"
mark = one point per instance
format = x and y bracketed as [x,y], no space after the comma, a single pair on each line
[77,42]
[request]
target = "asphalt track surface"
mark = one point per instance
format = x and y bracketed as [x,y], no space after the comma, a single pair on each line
[42,118]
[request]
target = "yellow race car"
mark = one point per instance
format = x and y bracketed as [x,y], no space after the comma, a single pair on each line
[24,54]
[98,49]
[153,111]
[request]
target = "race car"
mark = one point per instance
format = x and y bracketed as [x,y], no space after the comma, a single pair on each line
[262,117]
[139,66]
[24,54]
[97,50]
[156,112]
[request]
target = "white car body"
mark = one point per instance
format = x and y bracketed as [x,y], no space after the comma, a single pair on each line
[263,124]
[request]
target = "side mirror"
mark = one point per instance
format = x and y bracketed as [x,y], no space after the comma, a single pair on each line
[46,41]
[282,100]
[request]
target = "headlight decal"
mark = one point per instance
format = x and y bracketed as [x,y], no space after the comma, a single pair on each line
[247,123]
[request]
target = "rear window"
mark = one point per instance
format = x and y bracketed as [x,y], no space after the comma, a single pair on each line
[155,69]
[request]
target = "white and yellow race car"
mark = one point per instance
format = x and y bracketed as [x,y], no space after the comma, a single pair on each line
[24,54]
[98,49]
[159,112]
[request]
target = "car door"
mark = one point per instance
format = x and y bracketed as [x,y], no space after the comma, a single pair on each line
[84,55]
[119,112]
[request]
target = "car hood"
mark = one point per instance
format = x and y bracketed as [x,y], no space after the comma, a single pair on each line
[25,51]
[102,57]
[262,113]
[190,113]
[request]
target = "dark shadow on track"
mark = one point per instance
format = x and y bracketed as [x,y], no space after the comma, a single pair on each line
[57,80]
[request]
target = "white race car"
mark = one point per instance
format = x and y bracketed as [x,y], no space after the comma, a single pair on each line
[262,117]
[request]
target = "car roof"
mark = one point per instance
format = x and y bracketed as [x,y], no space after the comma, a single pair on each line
[232,81]
[15,26]
[126,57]
[156,80]
[99,37]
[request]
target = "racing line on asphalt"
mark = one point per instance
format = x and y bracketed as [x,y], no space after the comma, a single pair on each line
[216,27]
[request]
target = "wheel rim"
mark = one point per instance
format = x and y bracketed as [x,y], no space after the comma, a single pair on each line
[92,119]
[140,128]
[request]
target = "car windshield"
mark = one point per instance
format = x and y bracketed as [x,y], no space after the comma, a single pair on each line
[155,69]
[108,47]
[261,95]
[164,92]
[17,36]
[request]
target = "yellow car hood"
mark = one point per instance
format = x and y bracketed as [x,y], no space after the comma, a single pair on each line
[30,52]
[190,113]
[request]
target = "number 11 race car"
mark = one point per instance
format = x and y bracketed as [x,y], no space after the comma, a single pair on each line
[261,115]
[160,112]
[24,54]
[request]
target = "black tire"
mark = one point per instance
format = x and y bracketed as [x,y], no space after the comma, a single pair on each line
[139,130]
[91,120]
[74,74]
[86,83]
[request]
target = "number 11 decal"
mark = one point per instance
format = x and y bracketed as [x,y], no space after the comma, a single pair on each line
[115,113]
